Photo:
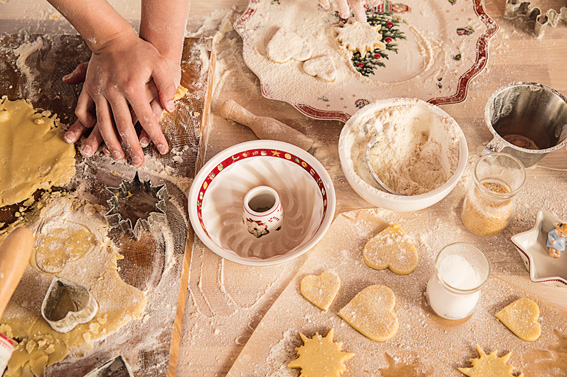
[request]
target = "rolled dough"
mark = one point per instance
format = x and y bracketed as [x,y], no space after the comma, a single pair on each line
[66,222]
[285,45]
[359,36]
[33,154]
[322,67]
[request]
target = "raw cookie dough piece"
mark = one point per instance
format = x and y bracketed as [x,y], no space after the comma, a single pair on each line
[286,45]
[323,67]
[371,312]
[320,290]
[521,318]
[489,365]
[33,154]
[94,266]
[391,248]
[320,357]
[359,36]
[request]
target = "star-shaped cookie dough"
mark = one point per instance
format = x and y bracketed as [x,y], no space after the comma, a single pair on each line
[490,365]
[359,36]
[320,357]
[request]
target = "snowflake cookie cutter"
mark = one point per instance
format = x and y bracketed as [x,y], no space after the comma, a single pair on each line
[518,8]
[116,367]
[145,202]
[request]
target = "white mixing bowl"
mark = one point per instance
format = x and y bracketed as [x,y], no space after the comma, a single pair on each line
[368,188]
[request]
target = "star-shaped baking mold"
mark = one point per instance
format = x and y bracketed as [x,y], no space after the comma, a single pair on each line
[359,36]
[137,205]
[321,357]
[490,365]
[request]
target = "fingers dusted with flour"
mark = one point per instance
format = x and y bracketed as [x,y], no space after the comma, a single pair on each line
[357,7]
[123,66]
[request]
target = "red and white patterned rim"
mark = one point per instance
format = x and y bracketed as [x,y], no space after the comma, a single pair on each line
[253,153]
[462,86]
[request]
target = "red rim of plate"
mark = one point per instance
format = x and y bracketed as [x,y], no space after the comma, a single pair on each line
[462,86]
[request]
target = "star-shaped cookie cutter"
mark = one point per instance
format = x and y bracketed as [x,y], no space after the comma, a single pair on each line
[132,189]
[518,8]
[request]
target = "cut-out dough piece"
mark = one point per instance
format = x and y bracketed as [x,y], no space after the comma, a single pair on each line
[322,67]
[521,318]
[489,365]
[320,290]
[371,312]
[391,248]
[321,357]
[359,36]
[33,154]
[286,45]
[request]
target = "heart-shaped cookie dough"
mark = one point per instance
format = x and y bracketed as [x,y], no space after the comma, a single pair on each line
[285,45]
[391,248]
[371,312]
[521,318]
[320,290]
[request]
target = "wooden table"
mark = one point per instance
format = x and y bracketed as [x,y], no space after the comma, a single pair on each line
[224,302]
[221,314]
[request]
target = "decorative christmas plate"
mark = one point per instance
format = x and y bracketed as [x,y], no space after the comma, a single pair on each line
[426,49]
[216,201]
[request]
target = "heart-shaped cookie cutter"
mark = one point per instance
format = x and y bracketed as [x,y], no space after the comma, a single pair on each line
[518,8]
[67,304]
[133,189]
[116,367]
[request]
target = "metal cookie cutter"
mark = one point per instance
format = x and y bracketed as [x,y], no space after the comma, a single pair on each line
[518,8]
[117,367]
[137,205]
[67,304]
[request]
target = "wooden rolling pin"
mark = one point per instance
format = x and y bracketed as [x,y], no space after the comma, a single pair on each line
[265,127]
[15,254]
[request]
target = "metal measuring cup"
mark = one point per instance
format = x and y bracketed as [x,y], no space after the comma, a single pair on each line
[528,120]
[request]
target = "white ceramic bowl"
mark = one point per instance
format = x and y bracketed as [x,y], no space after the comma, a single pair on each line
[532,249]
[216,201]
[379,197]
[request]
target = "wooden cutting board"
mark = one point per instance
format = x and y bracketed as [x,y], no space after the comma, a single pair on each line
[425,344]
[38,78]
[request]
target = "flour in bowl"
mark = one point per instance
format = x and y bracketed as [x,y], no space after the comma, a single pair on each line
[416,150]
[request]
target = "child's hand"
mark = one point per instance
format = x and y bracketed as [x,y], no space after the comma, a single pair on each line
[117,80]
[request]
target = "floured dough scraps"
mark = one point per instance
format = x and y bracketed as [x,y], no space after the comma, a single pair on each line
[371,312]
[321,357]
[33,154]
[490,365]
[322,67]
[71,242]
[359,36]
[391,248]
[521,318]
[320,290]
[285,45]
